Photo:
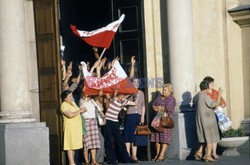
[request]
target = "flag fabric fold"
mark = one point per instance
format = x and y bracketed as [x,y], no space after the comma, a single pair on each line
[115,78]
[101,37]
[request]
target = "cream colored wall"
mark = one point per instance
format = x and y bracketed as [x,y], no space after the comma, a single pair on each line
[32,62]
[235,67]
[153,42]
[244,1]
[209,42]
[218,52]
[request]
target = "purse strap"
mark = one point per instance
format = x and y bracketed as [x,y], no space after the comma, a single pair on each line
[96,109]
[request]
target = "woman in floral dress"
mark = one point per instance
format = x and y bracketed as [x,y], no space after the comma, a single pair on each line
[165,103]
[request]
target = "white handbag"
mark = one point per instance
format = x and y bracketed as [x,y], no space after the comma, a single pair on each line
[224,122]
[99,118]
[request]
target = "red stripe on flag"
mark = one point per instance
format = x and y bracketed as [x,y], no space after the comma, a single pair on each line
[126,87]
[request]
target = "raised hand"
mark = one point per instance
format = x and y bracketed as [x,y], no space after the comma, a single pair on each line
[220,91]
[69,73]
[114,60]
[108,96]
[70,66]
[95,49]
[133,60]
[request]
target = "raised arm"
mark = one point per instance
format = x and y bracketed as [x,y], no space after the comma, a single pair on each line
[94,66]
[99,67]
[80,74]
[217,103]
[66,80]
[132,68]
[63,69]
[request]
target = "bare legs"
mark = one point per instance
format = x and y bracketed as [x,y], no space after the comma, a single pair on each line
[214,154]
[157,147]
[93,156]
[160,151]
[210,151]
[86,156]
[70,154]
[208,157]
[128,145]
[134,150]
[198,153]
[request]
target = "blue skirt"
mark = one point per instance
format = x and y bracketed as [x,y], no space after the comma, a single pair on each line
[131,121]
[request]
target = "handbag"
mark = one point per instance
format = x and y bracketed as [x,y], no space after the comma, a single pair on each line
[156,120]
[99,118]
[142,130]
[160,129]
[167,121]
[223,121]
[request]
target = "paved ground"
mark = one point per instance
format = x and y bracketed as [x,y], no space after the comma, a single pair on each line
[243,159]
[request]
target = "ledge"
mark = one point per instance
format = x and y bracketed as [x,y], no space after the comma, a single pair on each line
[239,8]
[241,15]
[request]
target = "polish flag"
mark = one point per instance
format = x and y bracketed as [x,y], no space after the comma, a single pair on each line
[115,78]
[101,37]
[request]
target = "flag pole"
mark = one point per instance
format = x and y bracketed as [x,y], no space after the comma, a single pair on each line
[102,53]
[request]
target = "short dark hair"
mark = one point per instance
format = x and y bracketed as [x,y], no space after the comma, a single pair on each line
[64,94]
[204,85]
[208,79]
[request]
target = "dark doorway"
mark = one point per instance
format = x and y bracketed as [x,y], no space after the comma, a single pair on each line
[86,15]
[94,14]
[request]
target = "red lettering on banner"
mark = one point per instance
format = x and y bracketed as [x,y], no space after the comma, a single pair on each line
[109,79]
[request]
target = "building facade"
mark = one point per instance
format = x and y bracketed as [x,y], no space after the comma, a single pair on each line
[182,42]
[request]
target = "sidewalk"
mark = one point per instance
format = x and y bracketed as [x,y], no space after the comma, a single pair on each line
[243,159]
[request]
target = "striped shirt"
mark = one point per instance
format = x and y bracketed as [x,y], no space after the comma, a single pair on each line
[114,109]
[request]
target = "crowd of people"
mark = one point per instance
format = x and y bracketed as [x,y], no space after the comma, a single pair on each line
[106,142]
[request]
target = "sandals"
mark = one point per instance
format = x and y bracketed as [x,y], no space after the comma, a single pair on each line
[134,160]
[198,156]
[209,159]
[160,158]
[155,158]
[216,157]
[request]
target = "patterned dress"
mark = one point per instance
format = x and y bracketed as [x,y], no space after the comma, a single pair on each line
[169,103]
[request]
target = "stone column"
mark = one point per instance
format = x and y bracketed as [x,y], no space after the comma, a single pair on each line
[181,48]
[16,115]
[14,91]
[182,75]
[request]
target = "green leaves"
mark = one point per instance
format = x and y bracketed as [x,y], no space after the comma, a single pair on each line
[233,133]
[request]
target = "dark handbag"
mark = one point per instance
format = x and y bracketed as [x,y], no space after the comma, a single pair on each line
[167,122]
[142,130]
[122,114]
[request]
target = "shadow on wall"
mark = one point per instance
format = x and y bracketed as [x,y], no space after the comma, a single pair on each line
[186,102]
[189,124]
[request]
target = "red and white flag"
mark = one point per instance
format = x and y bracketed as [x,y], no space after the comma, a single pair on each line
[101,37]
[115,78]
